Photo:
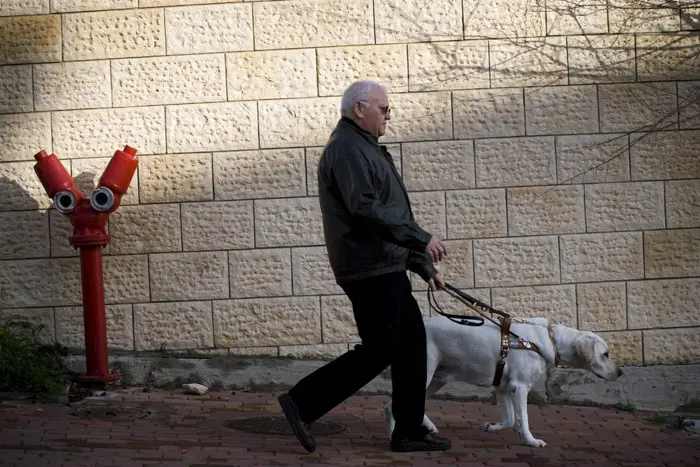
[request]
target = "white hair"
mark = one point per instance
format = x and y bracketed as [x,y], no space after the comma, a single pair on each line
[360,90]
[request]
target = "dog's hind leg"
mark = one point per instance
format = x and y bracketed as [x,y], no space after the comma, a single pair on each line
[505,407]
[520,403]
[434,386]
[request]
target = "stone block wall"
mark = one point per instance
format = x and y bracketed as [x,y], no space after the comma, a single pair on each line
[553,144]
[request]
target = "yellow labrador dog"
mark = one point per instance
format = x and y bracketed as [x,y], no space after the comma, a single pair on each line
[469,354]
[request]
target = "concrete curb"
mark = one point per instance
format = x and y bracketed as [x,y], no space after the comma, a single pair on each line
[647,388]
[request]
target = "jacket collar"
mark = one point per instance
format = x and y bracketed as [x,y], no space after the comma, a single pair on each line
[346,122]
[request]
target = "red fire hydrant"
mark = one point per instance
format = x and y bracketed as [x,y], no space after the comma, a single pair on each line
[89,217]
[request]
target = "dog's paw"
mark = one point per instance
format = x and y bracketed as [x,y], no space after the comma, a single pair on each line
[491,426]
[536,443]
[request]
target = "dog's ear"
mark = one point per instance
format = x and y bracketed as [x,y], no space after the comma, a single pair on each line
[584,347]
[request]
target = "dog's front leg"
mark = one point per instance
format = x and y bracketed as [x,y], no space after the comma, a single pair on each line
[520,403]
[505,407]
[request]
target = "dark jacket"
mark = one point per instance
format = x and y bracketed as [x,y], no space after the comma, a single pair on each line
[368,224]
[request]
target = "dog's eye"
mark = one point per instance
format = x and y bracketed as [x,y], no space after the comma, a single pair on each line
[606,355]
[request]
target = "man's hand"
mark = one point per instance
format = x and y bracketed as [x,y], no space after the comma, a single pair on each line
[437,283]
[436,249]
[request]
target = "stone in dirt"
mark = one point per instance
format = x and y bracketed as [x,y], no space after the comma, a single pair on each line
[194,388]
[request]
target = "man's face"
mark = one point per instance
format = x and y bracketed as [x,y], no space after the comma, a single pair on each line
[374,115]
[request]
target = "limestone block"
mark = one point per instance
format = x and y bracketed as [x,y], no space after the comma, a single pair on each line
[664,303]
[271,74]
[476,213]
[98,133]
[20,188]
[601,59]
[69,6]
[555,302]
[602,306]
[87,173]
[189,276]
[212,127]
[417,20]
[593,158]
[633,16]
[23,135]
[338,320]
[288,222]
[665,155]
[40,282]
[672,253]
[255,351]
[528,62]
[672,346]
[126,278]
[668,57]
[60,231]
[515,161]
[625,206]
[429,210]
[297,122]
[516,261]
[637,107]
[689,104]
[24,234]
[24,7]
[113,34]
[145,229]
[314,351]
[312,273]
[438,165]
[601,257]
[70,327]
[169,80]
[567,17]
[217,225]
[625,347]
[72,85]
[689,15]
[682,203]
[312,23]
[209,28]
[420,117]
[504,18]
[489,113]
[176,177]
[274,173]
[561,110]
[266,322]
[313,156]
[546,210]
[30,39]
[173,325]
[448,65]
[16,89]
[41,319]
[260,272]
[338,67]
[152,3]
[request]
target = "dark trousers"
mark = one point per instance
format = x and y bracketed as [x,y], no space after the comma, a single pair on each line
[391,328]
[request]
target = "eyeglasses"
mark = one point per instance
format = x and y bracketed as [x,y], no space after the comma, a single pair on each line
[384,109]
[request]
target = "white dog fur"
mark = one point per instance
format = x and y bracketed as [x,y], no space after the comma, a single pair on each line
[469,354]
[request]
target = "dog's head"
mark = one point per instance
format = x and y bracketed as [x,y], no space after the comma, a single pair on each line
[593,354]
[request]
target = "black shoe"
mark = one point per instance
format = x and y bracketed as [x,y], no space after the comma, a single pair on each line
[426,442]
[300,429]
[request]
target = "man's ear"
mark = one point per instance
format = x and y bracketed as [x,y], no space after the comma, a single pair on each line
[584,347]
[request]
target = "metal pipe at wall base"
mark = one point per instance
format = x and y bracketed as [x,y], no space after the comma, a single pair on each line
[96,357]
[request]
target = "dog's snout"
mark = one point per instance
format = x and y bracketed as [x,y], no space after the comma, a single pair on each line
[619,372]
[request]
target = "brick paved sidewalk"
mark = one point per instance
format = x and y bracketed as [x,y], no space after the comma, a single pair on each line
[191,431]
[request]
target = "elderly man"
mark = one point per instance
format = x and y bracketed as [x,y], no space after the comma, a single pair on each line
[372,241]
